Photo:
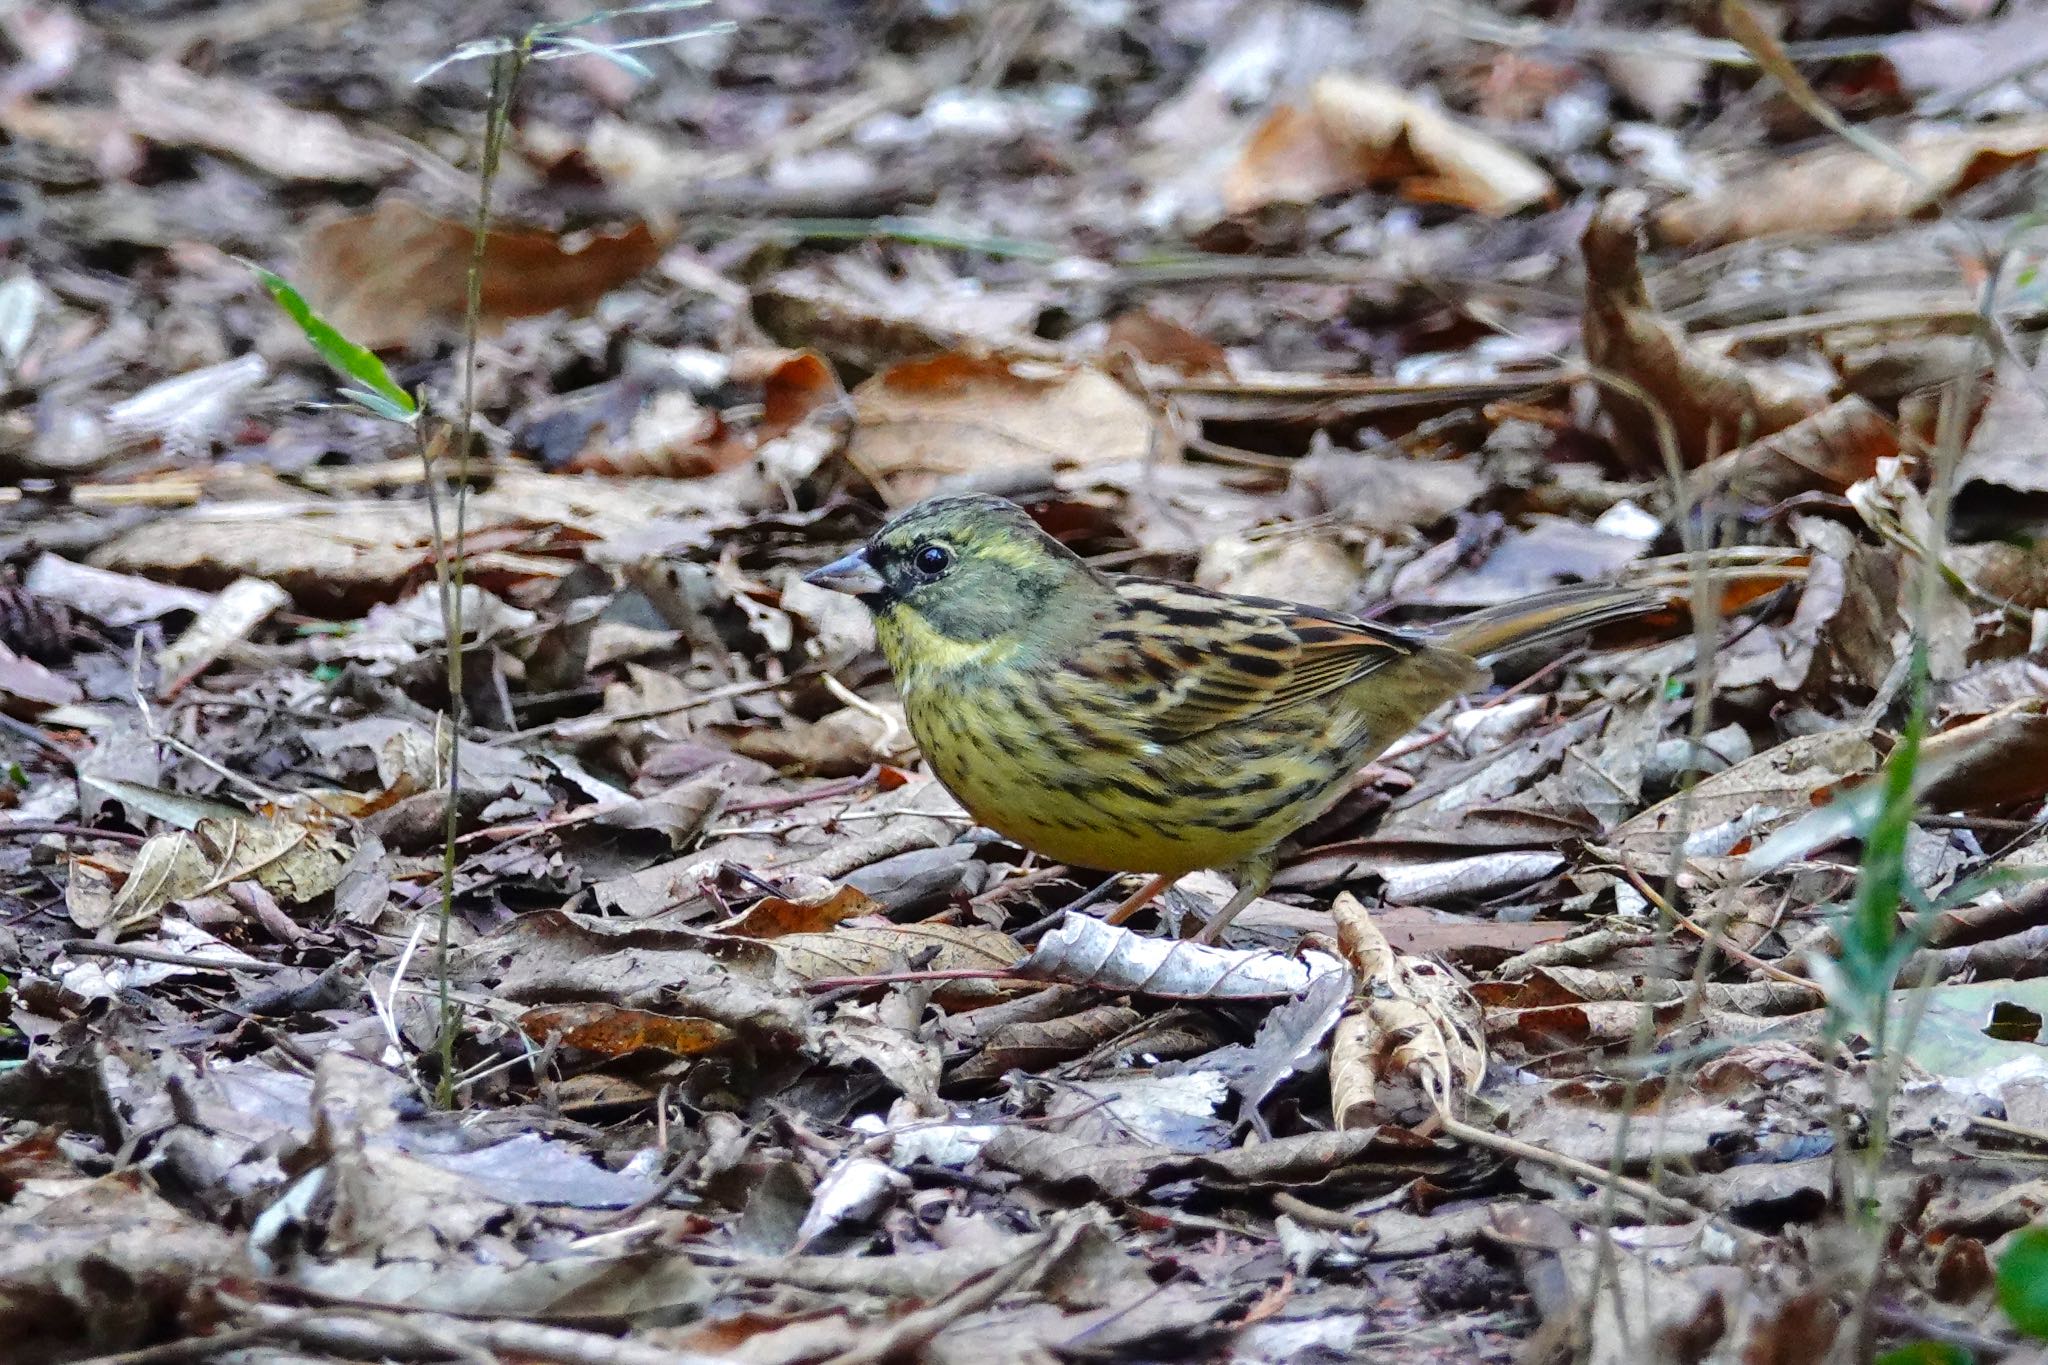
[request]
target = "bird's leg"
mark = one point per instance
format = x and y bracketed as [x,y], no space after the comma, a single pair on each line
[1253,875]
[1139,899]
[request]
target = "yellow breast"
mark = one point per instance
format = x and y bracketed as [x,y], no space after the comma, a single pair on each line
[1044,761]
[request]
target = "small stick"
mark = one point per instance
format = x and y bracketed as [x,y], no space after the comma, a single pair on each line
[87,947]
[1741,955]
[73,831]
[834,983]
[1646,1194]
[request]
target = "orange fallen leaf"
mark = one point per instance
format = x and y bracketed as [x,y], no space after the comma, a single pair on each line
[616,1032]
[384,276]
[775,916]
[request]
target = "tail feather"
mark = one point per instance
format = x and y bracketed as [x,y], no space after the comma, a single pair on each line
[1736,576]
[1546,618]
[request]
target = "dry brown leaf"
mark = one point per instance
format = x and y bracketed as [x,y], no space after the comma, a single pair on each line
[1162,342]
[778,916]
[296,855]
[1413,1041]
[1994,761]
[167,104]
[862,950]
[1289,159]
[342,557]
[1437,158]
[989,417]
[1827,451]
[844,743]
[384,276]
[1727,811]
[615,1031]
[1359,132]
[167,867]
[869,319]
[1838,189]
[1653,371]
[794,386]
[1033,1045]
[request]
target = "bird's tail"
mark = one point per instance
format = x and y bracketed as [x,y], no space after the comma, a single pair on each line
[1735,577]
[1546,618]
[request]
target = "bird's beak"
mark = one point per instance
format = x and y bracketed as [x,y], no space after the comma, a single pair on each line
[852,574]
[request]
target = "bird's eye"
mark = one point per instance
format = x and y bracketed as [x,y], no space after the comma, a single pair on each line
[933,560]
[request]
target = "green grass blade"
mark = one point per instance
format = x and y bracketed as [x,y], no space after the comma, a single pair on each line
[357,362]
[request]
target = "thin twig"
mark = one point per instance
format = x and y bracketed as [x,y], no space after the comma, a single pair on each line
[834,983]
[1720,941]
[87,947]
[1600,1176]
[117,836]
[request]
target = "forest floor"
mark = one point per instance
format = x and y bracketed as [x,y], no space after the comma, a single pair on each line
[1678,997]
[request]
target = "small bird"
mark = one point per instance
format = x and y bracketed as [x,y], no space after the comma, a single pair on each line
[1137,725]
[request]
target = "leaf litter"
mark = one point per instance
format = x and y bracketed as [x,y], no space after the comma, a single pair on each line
[762,1051]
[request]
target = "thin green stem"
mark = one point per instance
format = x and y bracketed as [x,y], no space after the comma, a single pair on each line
[506,69]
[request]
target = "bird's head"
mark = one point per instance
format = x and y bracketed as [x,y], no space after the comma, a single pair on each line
[971,570]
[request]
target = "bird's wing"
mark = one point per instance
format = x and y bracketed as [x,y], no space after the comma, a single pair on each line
[1219,660]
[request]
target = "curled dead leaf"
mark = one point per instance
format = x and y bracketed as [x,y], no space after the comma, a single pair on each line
[1412,1043]
[1655,382]
[1726,812]
[229,619]
[1033,1045]
[1160,341]
[1358,132]
[1084,951]
[295,855]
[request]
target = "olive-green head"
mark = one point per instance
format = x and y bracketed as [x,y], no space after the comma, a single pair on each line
[972,568]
